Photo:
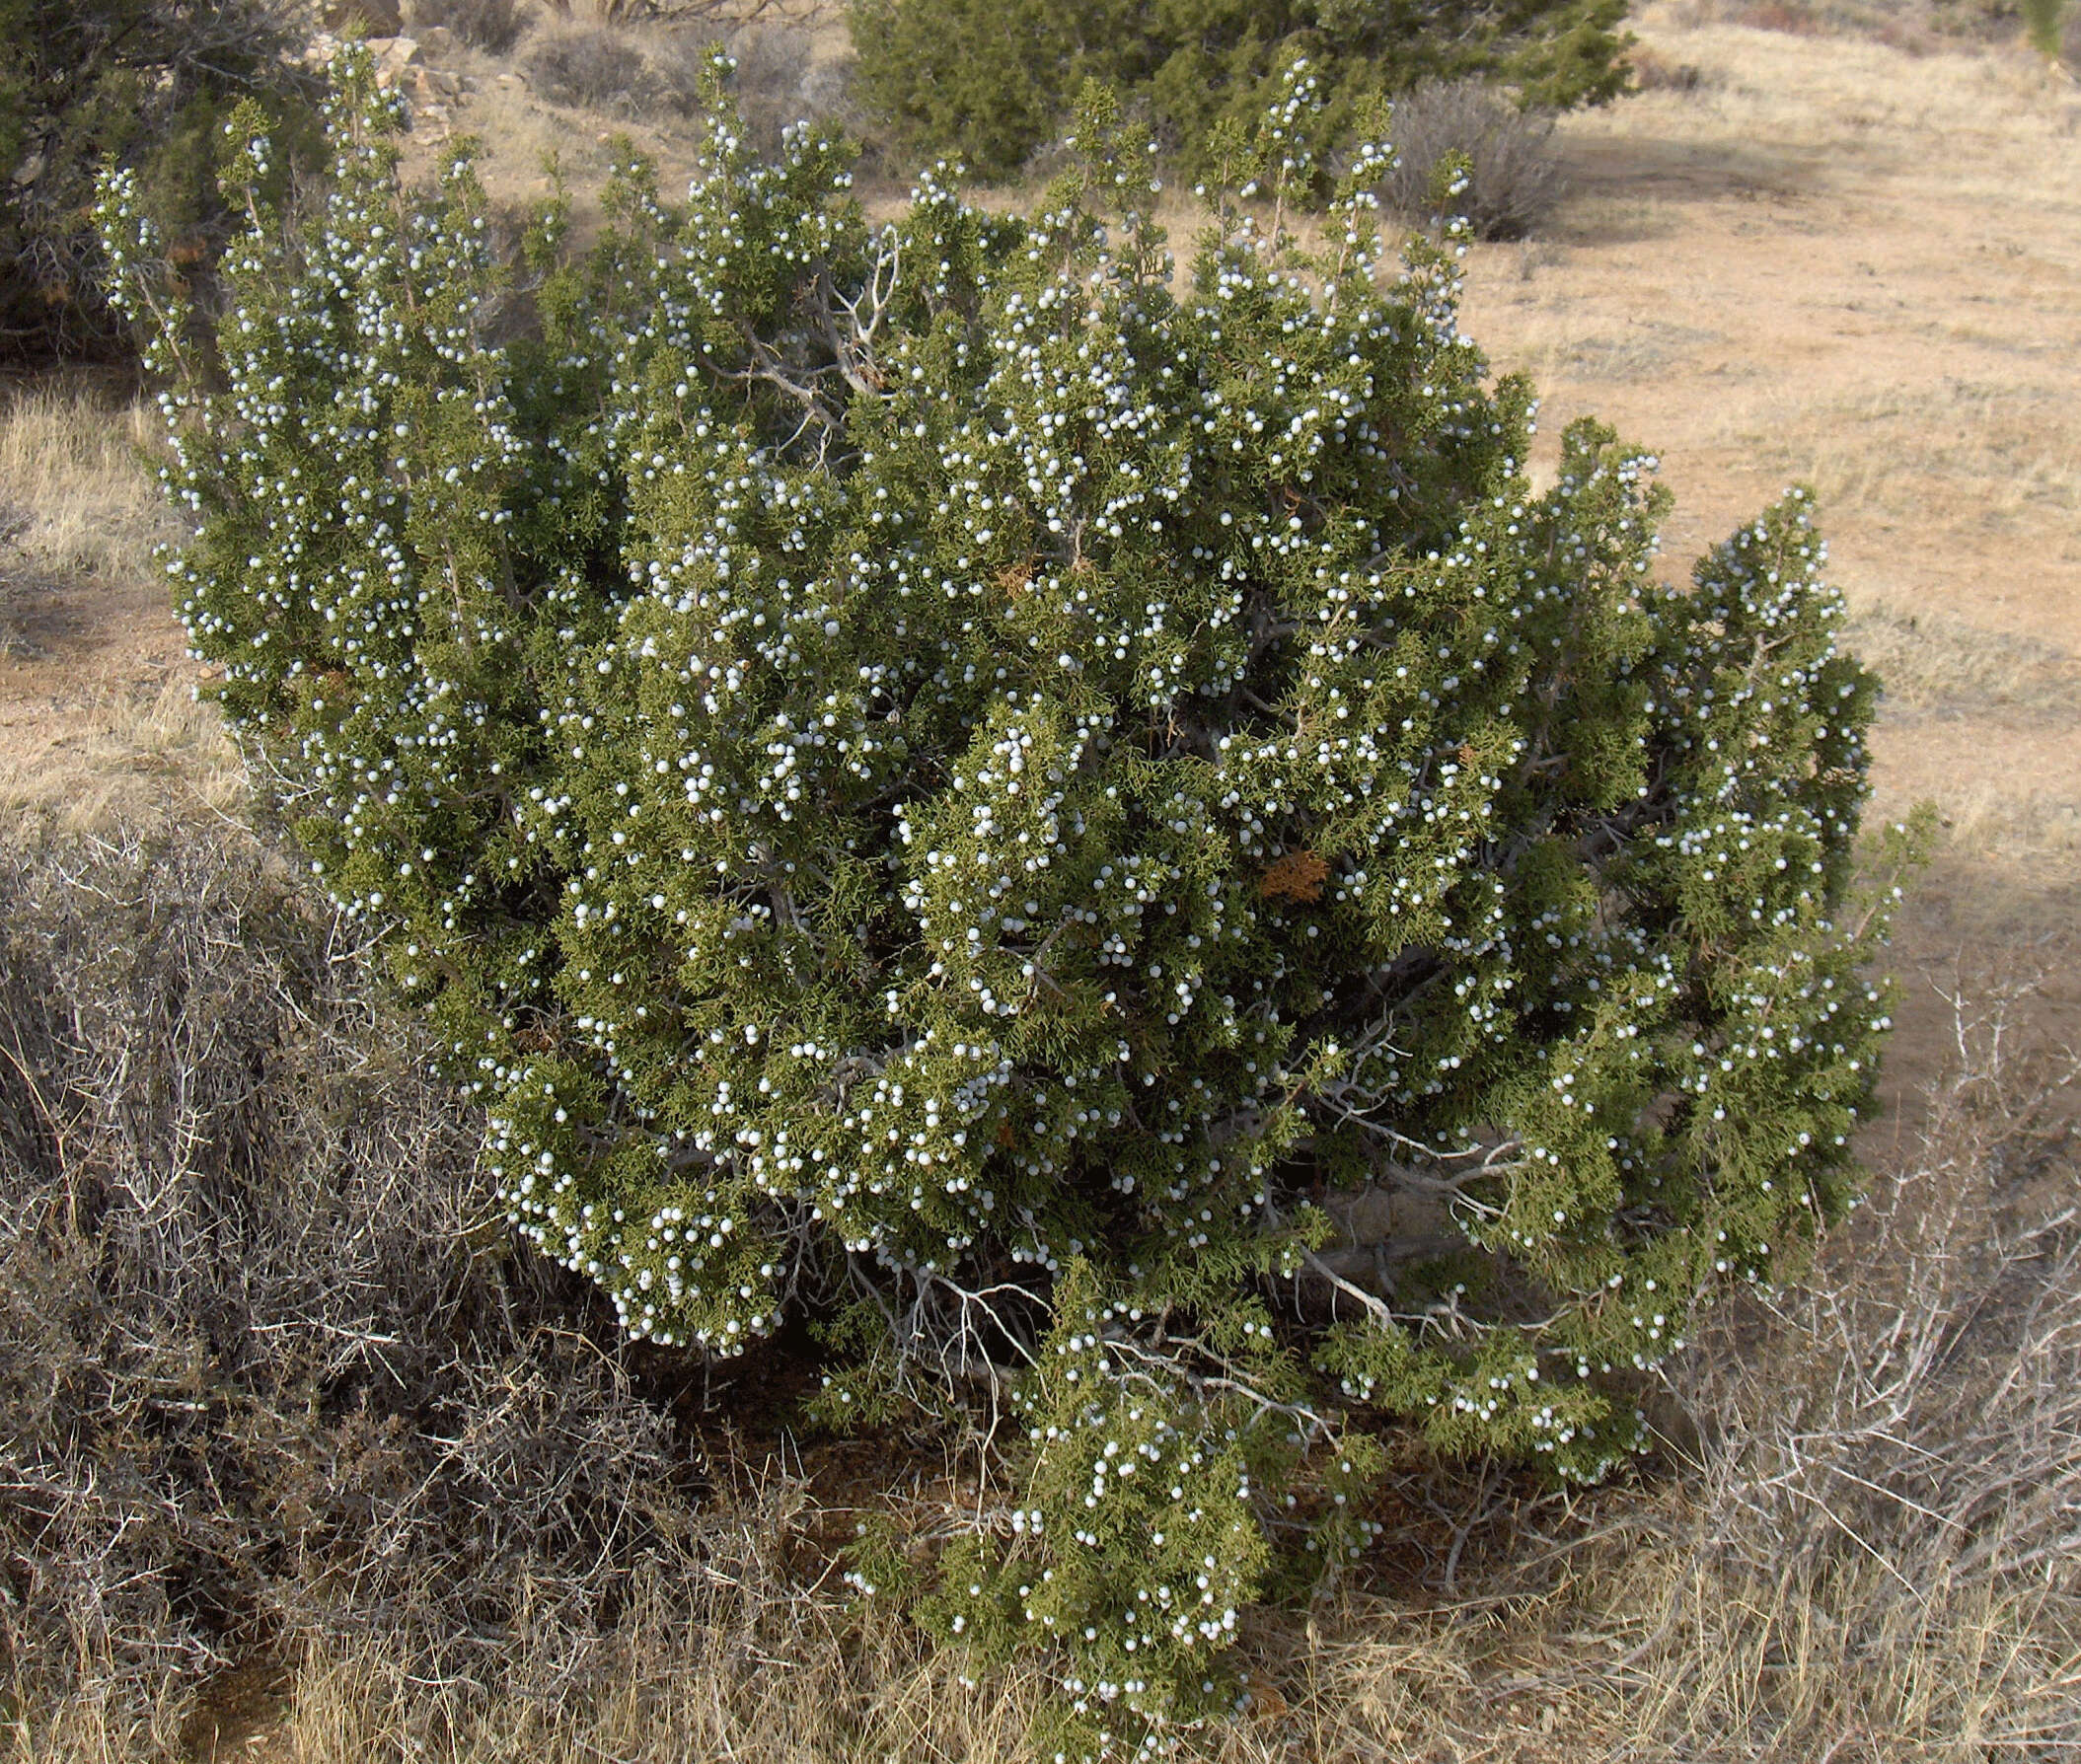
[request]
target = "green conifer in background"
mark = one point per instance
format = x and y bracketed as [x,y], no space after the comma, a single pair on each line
[990,83]
[2041,25]
[146,84]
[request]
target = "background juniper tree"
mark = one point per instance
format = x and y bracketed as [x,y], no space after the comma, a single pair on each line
[991,82]
[930,781]
[146,84]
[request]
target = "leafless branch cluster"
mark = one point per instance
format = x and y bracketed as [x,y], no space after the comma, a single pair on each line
[1890,1450]
[1515,173]
[271,1378]
[645,65]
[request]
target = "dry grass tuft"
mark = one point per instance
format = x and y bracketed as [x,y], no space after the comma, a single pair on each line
[76,491]
[596,70]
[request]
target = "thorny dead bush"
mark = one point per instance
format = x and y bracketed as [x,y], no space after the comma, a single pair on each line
[1889,1519]
[494,25]
[1655,72]
[1515,177]
[267,1374]
[591,70]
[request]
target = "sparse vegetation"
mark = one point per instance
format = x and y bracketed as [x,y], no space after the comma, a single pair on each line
[1513,176]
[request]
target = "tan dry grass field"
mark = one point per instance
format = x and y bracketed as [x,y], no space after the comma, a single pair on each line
[1830,260]
[1839,262]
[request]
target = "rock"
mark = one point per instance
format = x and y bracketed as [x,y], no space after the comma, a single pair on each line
[429,84]
[437,40]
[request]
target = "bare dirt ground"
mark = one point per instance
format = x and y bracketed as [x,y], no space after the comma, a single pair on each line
[1829,259]
[1838,263]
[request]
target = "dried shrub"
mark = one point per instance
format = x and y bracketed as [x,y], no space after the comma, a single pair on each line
[777,79]
[599,69]
[1889,1451]
[492,26]
[271,1372]
[1909,36]
[1791,17]
[1514,175]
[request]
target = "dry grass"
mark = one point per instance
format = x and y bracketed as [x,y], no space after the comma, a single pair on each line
[98,711]
[77,495]
[2003,455]
[303,1459]
[113,751]
[1932,662]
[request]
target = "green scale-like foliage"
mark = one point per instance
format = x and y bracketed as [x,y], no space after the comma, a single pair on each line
[929,778]
[993,80]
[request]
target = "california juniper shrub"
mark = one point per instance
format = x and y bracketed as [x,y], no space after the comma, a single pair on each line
[929,782]
[989,81]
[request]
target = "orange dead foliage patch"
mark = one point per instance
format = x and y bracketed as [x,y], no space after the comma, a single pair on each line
[1297,876]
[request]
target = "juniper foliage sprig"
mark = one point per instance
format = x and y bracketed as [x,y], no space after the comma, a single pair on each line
[930,779]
